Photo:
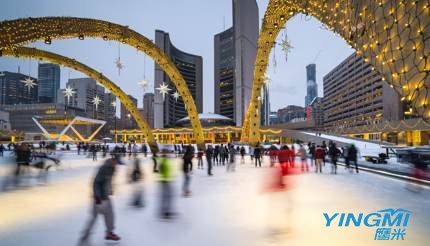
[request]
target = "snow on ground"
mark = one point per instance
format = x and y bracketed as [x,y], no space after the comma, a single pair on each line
[365,148]
[225,209]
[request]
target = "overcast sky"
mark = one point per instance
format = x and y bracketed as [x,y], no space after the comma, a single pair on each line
[192,25]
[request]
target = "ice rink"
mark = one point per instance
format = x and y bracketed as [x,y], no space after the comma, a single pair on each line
[229,208]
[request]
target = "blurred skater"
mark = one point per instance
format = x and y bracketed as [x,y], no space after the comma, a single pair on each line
[209,153]
[166,177]
[102,189]
[187,168]
[136,176]
[301,152]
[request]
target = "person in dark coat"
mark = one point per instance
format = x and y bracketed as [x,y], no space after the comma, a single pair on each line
[102,190]
[352,156]
[136,175]
[187,168]
[333,153]
[257,155]
[209,154]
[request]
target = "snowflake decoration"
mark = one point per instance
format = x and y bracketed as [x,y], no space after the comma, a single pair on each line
[69,92]
[96,101]
[176,95]
[163,89]
[144,84]
[119,65]
[29,83]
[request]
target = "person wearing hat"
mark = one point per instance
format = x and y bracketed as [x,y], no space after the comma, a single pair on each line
[102,189]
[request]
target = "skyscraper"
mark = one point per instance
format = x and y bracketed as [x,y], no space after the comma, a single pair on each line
[127,120]
[311,84]
[235,50]
[13,90]
[356,95]
[265,107]
[86,89]
[49,82]
[148,108]
[169,109]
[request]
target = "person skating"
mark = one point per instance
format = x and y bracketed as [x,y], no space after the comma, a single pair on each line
[200,159]
[209,153]
[102,204]
[222,154]
[324,147]
[352,156]
[166,177]
[187,168]
[136,175]
[301,152]
[230,160]
[1,150]
[257,156]
[319,156]
[334,153]
[242,154]
[216,154]
[312,149]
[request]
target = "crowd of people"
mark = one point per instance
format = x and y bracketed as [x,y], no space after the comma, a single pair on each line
[286,158]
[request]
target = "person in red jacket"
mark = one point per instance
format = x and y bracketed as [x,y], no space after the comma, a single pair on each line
[319,156]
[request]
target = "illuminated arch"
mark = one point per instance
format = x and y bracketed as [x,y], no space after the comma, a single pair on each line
[23,31]
[34,53]
[392,35]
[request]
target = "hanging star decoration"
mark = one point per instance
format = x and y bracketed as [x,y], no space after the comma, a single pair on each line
[69,92]
[144,84]
[119,65]
[96,101]
[176,95]
[163,89]
[29,83]
[286,46]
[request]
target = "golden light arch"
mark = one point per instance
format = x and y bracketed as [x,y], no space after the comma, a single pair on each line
[34,53]
[392,35]
[19,32]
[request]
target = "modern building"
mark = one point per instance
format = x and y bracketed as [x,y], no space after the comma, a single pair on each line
[235,50]
[148,108]
[311,84]
[49,82]
[13,90]
[86,89]
[109,112]
[21,117]
[290,113]
[168,110]
[127,121]
[315,113]
[355,95]
[265,107]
